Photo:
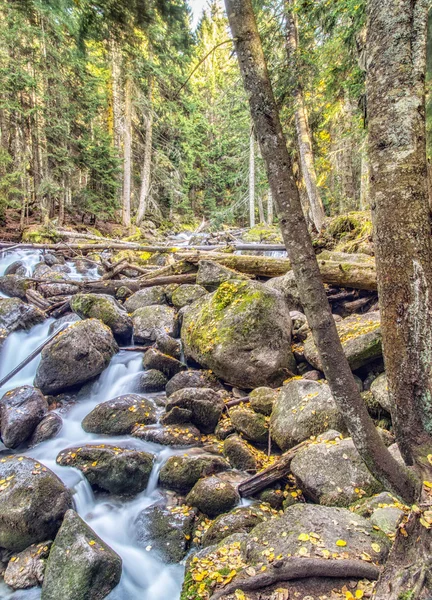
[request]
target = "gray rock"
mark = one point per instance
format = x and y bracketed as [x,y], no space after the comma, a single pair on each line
[33,502]
[239,454]
[16,268]
[15,315]
[379,389]
[181,473]
[47,429]
[115,470]
[68,318]
[239,520]
[80,566]
[120,415]
[303,408]
[146,297]
[168,345]
[78,354]
[177,436]
[242,332]
[52,259]
[15,286]
[151,381]
[21,410]
[154,359]
[176,416]
[187,294]
[332,473]
[108,310]
[193,379]
[206,406]
[27,568]
[286,285]
[262,400]
[252,425]
[213,496]
[149,321]
[387,519]
[211,274]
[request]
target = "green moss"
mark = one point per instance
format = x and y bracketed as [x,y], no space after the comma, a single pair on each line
[350,232]
[133,257]
[39,234]
[263,233]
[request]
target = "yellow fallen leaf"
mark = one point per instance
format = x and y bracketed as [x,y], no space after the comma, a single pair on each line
[303,537]
[92,543]
[427,484]
[341,543]
[359,593]
[376,548]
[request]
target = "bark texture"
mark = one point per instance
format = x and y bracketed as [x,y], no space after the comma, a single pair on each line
[127,155]
[146,169]
[299,246]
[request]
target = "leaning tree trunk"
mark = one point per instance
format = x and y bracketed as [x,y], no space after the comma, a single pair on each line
[127,155]
[146,170]
[269,132]
[304,138]
[400,208]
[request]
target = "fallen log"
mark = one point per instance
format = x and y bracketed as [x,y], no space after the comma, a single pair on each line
[301,568]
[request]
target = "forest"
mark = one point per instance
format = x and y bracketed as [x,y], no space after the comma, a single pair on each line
[215,299]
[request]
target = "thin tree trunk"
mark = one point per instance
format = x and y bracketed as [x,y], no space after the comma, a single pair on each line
[265,116]
[269,208]
[400,208]
[345,158]
[304,138]
[261,209]
[252,178]
[146,169]
[115,90]
[127,155]
[364,181]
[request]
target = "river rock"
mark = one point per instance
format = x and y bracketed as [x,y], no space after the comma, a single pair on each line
[15,286]
[149,321]
[21,410]
[55,283]
[239,520]
[206,406]
[16,268]
[302,409]
[106,309]
[146,297]
[212,496]
[187,294]
[379,389]
[110,468]
[176,416]
[153,359]
[168,345]
[193,379]
[239,454]
[361,341]
[16,315]
[252,425]
[176,436]
[211,274]
[47,429]
[224,428]
[80,566]
[180,473]
[53,259]
[286,285]
[76,355]
[151,381]
[242,332]
[26,569]
[67,318]
[168,531]
[120,415]
[33,501]
[332,473]
[262,400]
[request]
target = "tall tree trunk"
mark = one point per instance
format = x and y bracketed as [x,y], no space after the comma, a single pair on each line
[252,178]
[270,208]
[345,158]
[127,154]
[400,208]
[265,116]
[304,138]
[146,169]
[364,180]
[115,91]
[261,209]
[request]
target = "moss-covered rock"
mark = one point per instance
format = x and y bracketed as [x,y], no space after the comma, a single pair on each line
[262,400]
[15,315]
[263,233]
[242,332]
[211,274]
[177,436]
[213,496]
[107,310]
[181,473]
[239,454]
[239,520]
[120,415]
[110,468]
[33,502]
[252,425]
[21,410]
[193,379]
[146,297]
[154,359]
[187,294]
[149,321]
[80,566]
[40,234]
[205,405]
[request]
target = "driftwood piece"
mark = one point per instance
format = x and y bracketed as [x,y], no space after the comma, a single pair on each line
[300,568]
[35,298]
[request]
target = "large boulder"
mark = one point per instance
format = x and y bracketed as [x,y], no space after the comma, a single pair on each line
[75,356]
[26,569]
[303,408]
[380,392]
[286,285]
[80,566]
[242,332]
[252,425]
[206,406]
[361,341]
[107,310]
[262,400]
[239,520]
[33,502]
[333,473]
[110,468]
[16,315]
[180,473]
[15,286]
[146,297]
[212,496]
[211,274]
[149,321]
[193,379]
[120,415]
[187,294]
[21,410]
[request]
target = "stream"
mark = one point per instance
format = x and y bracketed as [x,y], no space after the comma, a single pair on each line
[144,577]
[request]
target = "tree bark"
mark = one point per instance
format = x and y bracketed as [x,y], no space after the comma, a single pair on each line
[252,178]
[270,208]
[265,115]
[400,210]
[127,155]
[146,169]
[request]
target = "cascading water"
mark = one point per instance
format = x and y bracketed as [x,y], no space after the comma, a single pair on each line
[144,576]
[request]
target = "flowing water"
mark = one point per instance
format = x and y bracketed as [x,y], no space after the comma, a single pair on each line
[144,576]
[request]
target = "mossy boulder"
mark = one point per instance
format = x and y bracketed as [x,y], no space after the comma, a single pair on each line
[242,332]
[146,297]
[110,468]
[333,473]
[303,408]
[47,429]
[239,454]
[15,315]
[120,415]
[193,379]
[239,520]
[205,405]
[33,502]
[187,294]
[380,392]
[40,234]
[151,381]
[211,274]
[80,566]
[26,570]
[252,425]
[154,359]
[149,321]
[15,286]
[212,496]
[21,410]
[262,400]
[181,473]
[76,355]
[263,233]
[361,341]
[107,310]
[176,436]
